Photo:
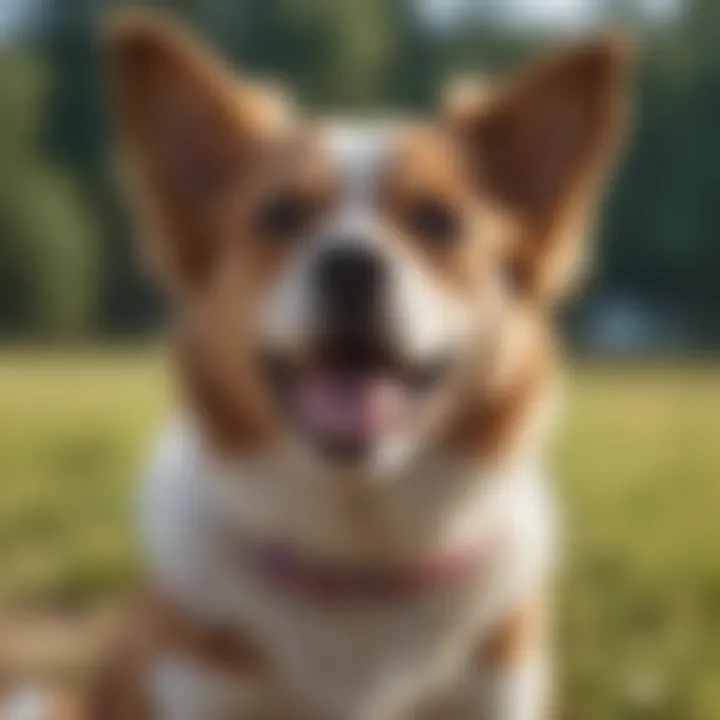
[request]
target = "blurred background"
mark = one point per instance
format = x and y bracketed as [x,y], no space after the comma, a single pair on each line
[82,385]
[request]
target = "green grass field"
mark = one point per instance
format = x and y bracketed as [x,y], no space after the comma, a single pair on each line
[637,467]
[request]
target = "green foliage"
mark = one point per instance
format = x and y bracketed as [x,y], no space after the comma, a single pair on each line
[48,279]
[56,246]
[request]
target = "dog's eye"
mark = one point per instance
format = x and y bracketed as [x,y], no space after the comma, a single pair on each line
[434,221]
[284,216]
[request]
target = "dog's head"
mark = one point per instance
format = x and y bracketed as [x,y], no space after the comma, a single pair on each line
[335,282]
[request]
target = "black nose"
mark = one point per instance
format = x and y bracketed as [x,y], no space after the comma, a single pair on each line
[351,281]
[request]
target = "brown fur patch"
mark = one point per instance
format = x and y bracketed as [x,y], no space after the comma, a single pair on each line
[502,401]
[155,628]
[215,355]
[519,634]
[218,648]
[428,167]
[68,707]
[236,418]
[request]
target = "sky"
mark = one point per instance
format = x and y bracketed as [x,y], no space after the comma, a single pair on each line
[13,16]
[570,14]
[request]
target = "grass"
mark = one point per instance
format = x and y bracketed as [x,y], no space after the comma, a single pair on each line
[637,466]
[72,431]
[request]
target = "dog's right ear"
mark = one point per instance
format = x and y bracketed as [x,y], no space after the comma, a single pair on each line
[541,147]
[187,129]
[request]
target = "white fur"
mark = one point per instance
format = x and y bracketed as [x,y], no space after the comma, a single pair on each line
[185,690]
[522,691]
[518,692]
[377,661]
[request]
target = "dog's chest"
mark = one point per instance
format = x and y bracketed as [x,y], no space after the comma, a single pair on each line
[339,663]
[374,657]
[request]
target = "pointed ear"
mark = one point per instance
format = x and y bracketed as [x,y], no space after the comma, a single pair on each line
[541,147]
[186,126]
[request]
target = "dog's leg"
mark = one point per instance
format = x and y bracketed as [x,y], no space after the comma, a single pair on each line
[512,666]
[508,675]
[514,692]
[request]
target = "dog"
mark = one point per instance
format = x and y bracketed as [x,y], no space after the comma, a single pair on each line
[347,517]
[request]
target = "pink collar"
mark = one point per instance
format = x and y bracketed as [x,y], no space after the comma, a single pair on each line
[332,581]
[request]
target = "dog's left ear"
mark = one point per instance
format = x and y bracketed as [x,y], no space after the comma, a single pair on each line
[540,149]
[189,131]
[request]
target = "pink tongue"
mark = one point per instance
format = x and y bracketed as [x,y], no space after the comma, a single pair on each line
[348,408]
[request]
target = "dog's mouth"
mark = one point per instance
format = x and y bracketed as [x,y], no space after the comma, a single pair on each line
[346,396]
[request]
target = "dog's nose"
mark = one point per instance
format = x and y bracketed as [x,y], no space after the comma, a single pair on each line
[351,280]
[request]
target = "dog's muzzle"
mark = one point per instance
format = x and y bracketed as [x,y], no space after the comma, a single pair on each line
[353,384]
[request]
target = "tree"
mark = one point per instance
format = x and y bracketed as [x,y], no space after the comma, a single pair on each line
[48,278]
